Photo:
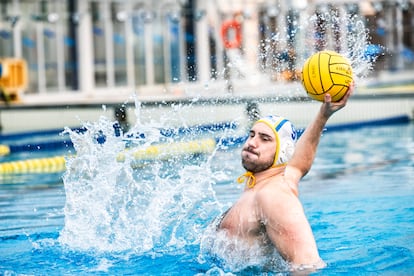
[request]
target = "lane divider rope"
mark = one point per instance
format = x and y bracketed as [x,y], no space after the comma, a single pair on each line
[67,143]
[153,152]
[166,151]
[162,151]
[37,165]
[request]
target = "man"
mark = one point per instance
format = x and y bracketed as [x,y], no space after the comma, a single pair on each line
[269,211]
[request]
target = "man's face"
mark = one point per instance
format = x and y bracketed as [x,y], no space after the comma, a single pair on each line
[259,151]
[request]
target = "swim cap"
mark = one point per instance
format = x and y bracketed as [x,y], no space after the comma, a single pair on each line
[286,136]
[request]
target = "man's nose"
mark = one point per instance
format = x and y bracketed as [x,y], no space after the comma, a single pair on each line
[252,142]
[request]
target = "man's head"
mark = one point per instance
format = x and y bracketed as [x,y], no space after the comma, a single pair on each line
[271,143]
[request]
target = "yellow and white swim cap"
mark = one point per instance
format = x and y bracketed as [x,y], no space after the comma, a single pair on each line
[286,137]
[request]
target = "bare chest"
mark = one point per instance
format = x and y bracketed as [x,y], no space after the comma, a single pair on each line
[244,218]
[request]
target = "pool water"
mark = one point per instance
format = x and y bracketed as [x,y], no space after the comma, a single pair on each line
[104,217]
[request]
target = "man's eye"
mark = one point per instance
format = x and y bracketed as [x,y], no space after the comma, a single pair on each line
[266,138]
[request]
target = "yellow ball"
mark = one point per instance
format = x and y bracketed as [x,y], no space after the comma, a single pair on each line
[326,72]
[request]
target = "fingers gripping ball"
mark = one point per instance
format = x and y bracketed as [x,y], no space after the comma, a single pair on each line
[326,72]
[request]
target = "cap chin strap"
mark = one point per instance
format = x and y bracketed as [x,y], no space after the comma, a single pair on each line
[250,179]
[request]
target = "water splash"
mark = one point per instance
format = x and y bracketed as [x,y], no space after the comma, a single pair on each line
[154,209]
[347,35]
[110,206]
[237,255]
[287,48]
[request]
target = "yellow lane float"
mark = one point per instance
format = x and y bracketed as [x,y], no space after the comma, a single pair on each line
[154,152]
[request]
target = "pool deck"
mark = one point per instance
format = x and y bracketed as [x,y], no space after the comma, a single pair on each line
[214,102]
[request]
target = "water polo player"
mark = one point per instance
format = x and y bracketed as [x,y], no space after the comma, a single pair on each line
[269,212]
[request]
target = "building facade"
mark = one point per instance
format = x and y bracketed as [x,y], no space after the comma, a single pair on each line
[87,46]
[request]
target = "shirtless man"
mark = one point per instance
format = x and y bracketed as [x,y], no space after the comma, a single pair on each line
[269,210]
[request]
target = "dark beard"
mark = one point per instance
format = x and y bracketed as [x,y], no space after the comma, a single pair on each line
[255,168]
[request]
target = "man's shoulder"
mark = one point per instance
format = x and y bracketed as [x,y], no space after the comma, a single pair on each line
[277,200]
[276,190]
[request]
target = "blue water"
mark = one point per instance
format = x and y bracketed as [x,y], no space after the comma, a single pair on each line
[359,198]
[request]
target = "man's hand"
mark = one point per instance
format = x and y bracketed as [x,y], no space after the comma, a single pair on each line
[328,107]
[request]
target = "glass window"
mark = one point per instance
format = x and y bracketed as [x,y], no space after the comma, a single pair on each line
[119,15]
[172,40]
[138,26]
[7,21]
[30,11]
[158,45]
[99,45]
[49,21]
[70,47]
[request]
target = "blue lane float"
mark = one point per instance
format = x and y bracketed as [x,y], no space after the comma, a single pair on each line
[402,119]
[222,143]
[67,143]
[157,151]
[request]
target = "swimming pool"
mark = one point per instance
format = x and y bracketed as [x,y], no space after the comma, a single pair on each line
[150,219]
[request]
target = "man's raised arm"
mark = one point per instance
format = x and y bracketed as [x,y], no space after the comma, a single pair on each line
[307,144]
